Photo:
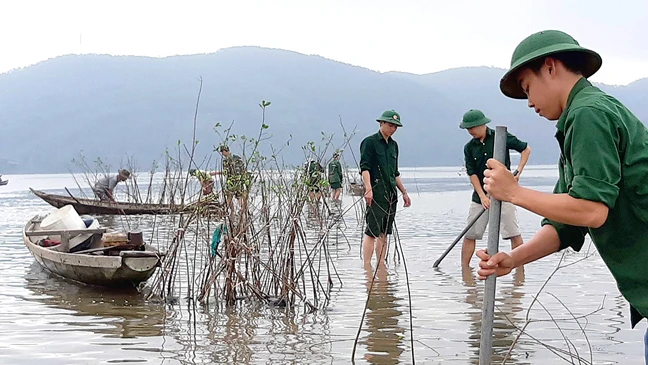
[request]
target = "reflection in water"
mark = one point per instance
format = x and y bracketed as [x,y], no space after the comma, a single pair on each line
[237,330]
[129,315]
[385,335]
[338,229]
[508,305]
[315,214]
[252,333]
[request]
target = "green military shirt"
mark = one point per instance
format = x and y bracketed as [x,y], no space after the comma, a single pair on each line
[334,172]
[314,170]
[604,158]
[233,165]
[476,153]
[238,180]
[380,158]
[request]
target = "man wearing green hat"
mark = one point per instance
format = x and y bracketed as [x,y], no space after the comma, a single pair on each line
[335,176]
[476,152]
[601,188]
[379,169]
[237,178]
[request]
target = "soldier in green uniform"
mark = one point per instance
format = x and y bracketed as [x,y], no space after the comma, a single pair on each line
[335,176]
[237,179]
[379,169]
[205,179]
[314,174]
[601,188]
[476,152]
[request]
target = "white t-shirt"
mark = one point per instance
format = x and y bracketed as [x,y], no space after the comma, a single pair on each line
[107,183]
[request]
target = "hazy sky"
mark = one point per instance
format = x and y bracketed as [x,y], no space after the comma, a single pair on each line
[418,36]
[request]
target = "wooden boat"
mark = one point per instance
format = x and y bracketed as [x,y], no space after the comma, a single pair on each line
[91,206]
[106,266]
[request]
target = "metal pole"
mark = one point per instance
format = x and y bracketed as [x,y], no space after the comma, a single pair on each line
[470,224]
[447,251]
[488,309]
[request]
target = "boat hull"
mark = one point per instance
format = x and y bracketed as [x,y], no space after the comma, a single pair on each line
[90,206]
[127,269]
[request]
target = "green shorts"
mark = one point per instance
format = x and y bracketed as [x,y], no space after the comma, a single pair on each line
[380,216]
[336,185]
[237,186]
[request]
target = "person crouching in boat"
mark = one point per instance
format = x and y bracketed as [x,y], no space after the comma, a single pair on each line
[104,188]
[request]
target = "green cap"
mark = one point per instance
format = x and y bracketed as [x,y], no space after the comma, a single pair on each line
[543,44]
[390,116]
[473,118]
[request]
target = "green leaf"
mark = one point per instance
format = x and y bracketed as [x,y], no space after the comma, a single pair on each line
[264,126]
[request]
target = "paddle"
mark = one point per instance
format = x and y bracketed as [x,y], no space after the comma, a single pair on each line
[470,224]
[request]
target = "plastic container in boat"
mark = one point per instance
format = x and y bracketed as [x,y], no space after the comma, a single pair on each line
[83,240]
[65,218]
[88,220]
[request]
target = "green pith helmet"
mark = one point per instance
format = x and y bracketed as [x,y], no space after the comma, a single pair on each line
[390,116]
[473,118]
[543,44]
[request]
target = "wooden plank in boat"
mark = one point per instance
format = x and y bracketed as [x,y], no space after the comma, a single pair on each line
[70,232]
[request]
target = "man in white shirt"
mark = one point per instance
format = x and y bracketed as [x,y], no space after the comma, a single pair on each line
[104,188]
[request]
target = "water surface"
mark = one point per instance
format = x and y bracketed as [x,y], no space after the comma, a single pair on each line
[48,320]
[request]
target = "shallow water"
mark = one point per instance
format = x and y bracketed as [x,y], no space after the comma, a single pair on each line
[47,320]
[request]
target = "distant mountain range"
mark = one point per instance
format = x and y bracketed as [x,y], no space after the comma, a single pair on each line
[112,107]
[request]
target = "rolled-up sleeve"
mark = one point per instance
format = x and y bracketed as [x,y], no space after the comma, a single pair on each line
[570,236]
[592,142]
